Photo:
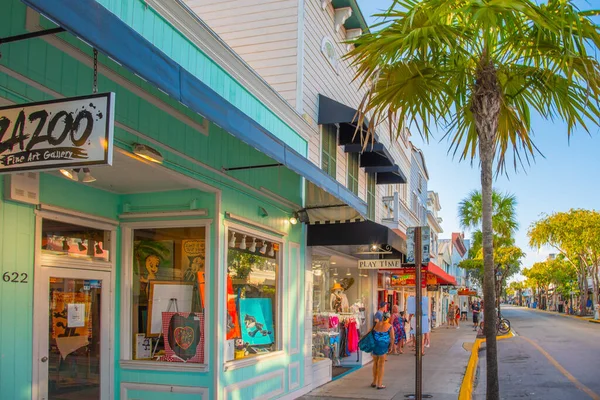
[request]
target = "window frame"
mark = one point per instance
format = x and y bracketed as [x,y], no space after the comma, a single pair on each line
[126,360]
[331,131]
[280,276]
[371,195]
[352,168]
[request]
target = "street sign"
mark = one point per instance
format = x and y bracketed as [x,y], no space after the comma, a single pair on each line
[410,245]
[380,264]
[66,133]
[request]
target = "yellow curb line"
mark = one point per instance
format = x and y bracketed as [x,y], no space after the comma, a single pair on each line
[466,388]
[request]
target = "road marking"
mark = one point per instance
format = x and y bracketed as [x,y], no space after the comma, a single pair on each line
[566,373]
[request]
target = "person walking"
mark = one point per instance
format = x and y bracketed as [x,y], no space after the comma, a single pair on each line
[380,311]
[383,334]
[450,315]
[457,316]
[475,309]
[397,322]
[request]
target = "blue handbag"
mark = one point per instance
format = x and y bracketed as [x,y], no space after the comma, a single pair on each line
[367,342]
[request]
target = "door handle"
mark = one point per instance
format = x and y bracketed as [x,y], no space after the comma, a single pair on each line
[44,359]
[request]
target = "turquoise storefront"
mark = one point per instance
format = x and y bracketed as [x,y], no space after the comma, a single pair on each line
[194,251]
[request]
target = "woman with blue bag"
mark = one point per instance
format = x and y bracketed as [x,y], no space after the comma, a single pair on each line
[383,338]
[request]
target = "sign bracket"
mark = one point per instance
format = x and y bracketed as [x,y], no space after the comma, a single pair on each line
[31,35]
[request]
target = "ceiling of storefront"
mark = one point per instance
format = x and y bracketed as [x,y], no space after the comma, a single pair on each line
[130,174]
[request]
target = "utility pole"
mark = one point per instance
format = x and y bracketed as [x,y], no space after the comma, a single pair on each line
[419,315]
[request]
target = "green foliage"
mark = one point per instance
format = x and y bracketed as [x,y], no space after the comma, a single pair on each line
[242,263]
[422,66]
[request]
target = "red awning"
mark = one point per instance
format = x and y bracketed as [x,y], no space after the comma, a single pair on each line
[443,277]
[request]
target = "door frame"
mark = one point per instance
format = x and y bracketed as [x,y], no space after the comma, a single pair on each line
[44,262]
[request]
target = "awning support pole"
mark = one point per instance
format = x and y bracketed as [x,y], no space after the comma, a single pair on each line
[252,167]
[31,35]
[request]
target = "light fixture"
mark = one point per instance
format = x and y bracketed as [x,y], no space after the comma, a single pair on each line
[243,244]
[348,273]
[147,153]
[263,249]
[272,251]
[66,246]
[87,176]
[262,212]
[253,245]
[99,249]
[232,241]
[374,247]
[335,272]
[70,173]
[333,263]
[294,219]
[317,272]
[81,246]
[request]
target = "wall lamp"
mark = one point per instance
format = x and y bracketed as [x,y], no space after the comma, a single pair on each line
[147,153]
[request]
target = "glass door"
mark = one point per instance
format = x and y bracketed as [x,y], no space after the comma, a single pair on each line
[73,331]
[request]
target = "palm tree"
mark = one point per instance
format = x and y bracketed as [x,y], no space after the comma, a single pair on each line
[478,69]
[504,215]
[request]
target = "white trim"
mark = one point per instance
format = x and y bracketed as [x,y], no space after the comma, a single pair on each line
[152,387]
[246,362]
[92,220]
[164,214]
[216,293]
[206,40]
[252,224]
[142,365]
[291,278]
[127,229]
[295,365]
[260,378]
[32,24]
[300,60]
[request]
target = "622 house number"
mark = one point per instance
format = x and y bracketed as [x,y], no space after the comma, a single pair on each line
[15,277]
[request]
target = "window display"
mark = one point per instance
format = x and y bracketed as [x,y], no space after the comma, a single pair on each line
[252,293]
[168,294]
[64,239]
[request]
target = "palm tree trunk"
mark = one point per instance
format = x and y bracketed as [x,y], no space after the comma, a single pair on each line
[486,111]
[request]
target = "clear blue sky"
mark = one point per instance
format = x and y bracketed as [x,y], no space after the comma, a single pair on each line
[568,176]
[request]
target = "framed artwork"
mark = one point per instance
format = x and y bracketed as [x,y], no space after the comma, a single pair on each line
[154,260]
[193,256]
[164,296]
[256,321]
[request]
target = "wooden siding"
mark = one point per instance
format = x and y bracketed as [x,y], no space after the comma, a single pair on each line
[263,32]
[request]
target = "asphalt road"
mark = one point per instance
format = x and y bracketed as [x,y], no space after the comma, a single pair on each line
[552,357]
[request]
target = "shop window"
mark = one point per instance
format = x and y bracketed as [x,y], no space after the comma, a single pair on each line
[353,172]
[168,294]
[329,149]
[70,240]
[371,196]
[252,295]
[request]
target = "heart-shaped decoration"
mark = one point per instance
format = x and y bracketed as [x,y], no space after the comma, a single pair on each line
[184,337]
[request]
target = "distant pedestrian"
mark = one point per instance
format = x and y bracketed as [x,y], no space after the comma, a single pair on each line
[463,311]
[379,314]
[457,316]
[383,333]
[397,321]
[450,315]
[475,309]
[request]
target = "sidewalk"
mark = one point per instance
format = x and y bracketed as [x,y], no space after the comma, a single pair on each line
[444,366]
[588,319]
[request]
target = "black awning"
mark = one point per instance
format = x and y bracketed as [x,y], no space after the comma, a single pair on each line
[334,112]
[363,233]
[387,175]
[371,155]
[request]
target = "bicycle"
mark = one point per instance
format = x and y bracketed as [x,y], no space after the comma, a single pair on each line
[502,326]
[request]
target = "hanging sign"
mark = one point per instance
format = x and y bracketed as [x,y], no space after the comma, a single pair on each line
[65,133]
[379,264]
[410,245]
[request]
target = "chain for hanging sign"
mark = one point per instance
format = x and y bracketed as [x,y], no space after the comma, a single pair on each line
[95,85]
